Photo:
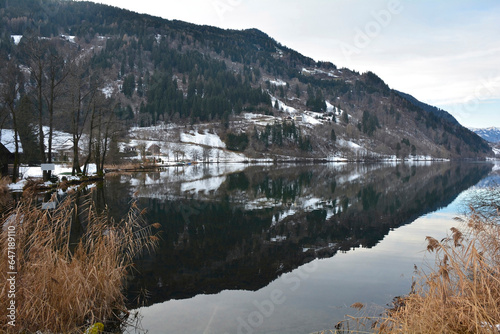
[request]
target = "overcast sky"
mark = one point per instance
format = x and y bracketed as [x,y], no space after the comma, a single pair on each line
[445,53]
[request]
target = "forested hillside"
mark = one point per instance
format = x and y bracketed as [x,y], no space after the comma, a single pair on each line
[94,71]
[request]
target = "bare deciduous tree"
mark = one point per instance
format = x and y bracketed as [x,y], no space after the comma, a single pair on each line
[9,90]
[36,50]
[57,70]
[80,96]
[206,154]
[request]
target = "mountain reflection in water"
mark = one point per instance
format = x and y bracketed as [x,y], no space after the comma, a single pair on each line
[239,227]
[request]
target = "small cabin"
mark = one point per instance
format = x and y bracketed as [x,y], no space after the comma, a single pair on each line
[154,149]
[6,159]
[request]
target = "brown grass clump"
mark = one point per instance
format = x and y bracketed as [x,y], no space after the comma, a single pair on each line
[126,166]
[462,293]
[66,283]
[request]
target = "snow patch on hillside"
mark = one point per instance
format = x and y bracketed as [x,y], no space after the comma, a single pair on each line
[108,91]
[329,107]
[70,39]
[16,38]
[208,139]
[277,82]
[186,146]
[203,185]
[318,71]
[283,106]
[349,144]
[310,119]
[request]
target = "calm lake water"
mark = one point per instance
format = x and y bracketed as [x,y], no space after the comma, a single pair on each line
[285,248]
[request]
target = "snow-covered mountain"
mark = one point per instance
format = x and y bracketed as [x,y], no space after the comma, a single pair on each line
[491,134]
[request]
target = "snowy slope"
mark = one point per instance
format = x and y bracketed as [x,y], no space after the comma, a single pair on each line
[208,139]
[61,141]
[190,145]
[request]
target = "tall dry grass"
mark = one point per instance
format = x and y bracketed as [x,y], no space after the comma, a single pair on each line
[462,293]
[64,285]
[5,196]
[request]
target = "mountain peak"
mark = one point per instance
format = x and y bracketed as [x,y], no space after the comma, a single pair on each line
[491,134]
[431,109]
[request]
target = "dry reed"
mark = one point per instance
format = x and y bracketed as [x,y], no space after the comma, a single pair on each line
[5,196]
[64,285]
[462,293]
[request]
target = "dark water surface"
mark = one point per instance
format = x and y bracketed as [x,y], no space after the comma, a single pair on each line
[284,248]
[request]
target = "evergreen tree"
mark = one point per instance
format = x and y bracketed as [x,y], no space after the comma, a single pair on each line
[333,136]
[128,86]
[370,123]
[345,117]
[27,131]
[140,87]
[297,91]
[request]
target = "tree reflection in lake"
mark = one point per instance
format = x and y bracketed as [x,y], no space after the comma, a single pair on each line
[241,227]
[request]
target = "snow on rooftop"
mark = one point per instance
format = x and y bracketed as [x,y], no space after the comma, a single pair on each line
[7,139]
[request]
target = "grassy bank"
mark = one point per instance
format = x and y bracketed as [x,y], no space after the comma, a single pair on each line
[67,281]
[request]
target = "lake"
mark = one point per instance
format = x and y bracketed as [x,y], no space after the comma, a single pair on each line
[284,248]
